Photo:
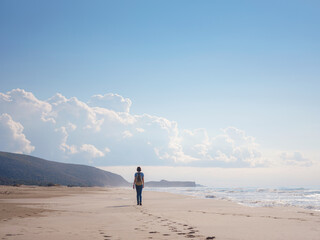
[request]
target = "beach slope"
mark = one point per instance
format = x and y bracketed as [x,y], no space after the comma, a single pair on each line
[107,213]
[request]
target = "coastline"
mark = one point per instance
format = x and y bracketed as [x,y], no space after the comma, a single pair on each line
[306,198]
[111,213]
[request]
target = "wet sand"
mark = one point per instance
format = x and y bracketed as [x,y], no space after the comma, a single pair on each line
[105,213]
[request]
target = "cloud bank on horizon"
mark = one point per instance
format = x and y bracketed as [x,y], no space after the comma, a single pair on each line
[103,132]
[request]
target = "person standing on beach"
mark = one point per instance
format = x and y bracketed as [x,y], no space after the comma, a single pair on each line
[138,184]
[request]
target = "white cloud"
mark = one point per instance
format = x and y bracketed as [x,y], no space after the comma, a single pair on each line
[294,158]
[103,132]
[235,146]
[231,146]
[12,137]
[23,105]
[63,145]
[127,134]
[91,150]
[111,101]
[140,130]
[195,143]
[72,111]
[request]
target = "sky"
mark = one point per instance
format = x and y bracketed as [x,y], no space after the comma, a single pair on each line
[226,89]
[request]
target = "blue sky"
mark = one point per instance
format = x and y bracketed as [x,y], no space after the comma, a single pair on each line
[250,65]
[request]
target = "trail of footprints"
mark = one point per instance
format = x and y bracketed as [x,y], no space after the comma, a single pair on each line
[105,236]
[171,227]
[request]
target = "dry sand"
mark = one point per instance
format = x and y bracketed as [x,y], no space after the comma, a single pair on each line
[103,213]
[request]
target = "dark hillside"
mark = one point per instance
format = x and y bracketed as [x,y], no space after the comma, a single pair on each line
[28,170]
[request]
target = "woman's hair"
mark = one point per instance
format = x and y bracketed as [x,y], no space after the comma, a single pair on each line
[139,169]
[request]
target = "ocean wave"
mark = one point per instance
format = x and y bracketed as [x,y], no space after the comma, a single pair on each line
[256,197]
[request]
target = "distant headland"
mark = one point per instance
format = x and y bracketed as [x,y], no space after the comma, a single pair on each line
[164,183]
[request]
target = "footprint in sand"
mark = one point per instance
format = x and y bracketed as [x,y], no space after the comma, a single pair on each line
[11,234]
[210,238]
[190,236]
[180,229]
[106,237]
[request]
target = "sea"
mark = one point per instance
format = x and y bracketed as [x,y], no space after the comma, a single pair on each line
[255,197]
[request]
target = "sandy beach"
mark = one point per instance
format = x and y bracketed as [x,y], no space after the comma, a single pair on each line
[29,212]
